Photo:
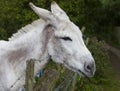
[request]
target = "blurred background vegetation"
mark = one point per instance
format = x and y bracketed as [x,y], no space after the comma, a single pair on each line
[99,18]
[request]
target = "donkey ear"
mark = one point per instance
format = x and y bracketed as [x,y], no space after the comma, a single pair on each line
[42,13]
[56,10]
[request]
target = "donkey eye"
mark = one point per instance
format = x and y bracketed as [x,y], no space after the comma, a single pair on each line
[66,38]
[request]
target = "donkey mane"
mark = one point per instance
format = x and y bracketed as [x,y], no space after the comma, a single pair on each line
[26,29]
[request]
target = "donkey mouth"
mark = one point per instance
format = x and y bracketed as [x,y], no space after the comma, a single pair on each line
[81,73]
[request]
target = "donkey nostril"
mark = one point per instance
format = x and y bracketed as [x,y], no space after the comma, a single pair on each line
[88,67]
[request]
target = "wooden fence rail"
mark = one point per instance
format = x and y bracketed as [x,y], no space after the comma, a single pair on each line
[48,82]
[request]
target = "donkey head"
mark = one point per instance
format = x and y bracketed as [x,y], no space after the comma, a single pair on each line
[66,45]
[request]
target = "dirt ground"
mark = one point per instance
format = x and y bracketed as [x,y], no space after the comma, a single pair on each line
[114,55]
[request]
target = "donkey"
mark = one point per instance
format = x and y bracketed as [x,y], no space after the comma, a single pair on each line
[53,36]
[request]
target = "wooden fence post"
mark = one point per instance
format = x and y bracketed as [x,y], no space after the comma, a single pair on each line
[29,75]
[48,81]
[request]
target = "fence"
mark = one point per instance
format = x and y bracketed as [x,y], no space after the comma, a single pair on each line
[49,80]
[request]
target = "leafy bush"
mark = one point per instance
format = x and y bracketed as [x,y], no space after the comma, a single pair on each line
[3,34]
[98,16]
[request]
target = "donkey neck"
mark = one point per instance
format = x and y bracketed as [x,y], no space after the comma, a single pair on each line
[31,45]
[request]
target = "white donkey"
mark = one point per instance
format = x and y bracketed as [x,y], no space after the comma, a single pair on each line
[55,36]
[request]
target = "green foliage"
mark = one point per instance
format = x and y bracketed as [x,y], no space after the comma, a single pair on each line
[14,15]
[3,34]
[98,16]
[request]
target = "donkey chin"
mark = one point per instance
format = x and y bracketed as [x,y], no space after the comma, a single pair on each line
[87,71]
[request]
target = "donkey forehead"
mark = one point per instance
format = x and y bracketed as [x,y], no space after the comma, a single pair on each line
[68,29]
